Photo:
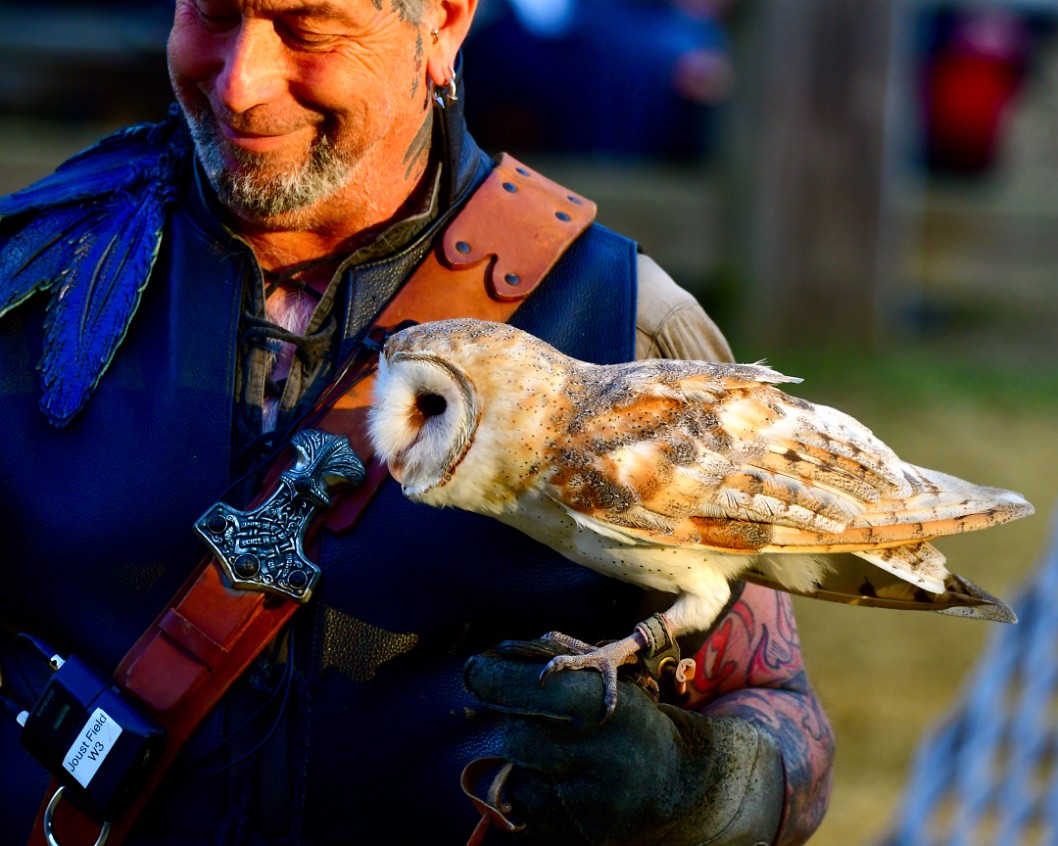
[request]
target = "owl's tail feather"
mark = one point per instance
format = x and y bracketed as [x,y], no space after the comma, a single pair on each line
[854,581]
[919,564]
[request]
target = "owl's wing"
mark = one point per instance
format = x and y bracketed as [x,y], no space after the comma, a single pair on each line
[712,455]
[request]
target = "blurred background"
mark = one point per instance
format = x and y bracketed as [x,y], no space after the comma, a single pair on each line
[863,192]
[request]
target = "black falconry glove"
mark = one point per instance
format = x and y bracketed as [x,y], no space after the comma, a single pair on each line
[650,774]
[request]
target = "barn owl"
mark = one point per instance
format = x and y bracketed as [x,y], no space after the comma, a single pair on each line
[679,476]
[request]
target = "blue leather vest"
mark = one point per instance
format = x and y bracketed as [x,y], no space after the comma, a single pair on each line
[360,723]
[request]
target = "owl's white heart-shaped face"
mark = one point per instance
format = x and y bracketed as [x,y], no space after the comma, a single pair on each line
[423,419]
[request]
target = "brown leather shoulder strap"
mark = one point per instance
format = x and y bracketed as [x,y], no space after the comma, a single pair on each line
[494,253]
[509,235]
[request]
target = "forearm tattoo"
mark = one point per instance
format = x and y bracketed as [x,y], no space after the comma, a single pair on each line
[751,667]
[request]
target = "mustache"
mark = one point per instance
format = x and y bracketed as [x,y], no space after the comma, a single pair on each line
[253,121]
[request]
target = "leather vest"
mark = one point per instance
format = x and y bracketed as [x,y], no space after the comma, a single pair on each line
[357,721]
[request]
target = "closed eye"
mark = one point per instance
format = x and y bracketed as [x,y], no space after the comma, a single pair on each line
[430,405]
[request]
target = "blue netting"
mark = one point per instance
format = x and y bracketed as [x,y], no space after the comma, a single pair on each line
[986,774]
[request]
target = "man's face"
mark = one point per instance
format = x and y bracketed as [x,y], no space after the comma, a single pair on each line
[286,99]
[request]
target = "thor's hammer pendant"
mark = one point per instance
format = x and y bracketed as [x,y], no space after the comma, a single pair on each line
[262,549]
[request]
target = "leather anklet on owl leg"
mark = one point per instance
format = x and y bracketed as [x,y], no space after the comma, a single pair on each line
[661,653]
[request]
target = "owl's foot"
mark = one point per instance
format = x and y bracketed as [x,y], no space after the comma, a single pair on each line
[652,644]
[604,659]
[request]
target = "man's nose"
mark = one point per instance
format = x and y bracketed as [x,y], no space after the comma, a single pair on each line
[253,66]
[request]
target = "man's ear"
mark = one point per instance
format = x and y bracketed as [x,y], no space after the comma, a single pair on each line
[451,23]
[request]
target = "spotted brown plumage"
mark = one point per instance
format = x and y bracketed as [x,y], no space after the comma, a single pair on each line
[674,475]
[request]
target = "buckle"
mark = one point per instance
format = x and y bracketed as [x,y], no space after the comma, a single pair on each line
[49,815]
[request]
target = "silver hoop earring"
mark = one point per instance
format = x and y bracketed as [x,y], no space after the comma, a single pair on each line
[434,33]
[450,87]
[445,94]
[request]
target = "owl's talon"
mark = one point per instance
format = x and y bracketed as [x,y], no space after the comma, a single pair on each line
[606,668]
[605,660]
[547,671]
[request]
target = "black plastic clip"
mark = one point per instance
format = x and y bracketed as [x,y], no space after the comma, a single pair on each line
[84,730]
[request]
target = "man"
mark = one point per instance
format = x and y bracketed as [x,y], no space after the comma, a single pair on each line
[328,156]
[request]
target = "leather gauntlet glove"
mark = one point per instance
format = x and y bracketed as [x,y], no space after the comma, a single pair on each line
[651,774]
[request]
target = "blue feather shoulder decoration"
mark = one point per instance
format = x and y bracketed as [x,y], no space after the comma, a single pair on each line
[90,236]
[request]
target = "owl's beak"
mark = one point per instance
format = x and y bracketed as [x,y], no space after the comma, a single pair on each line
[396,469]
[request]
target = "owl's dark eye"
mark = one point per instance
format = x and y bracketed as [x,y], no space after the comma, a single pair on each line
[431,405]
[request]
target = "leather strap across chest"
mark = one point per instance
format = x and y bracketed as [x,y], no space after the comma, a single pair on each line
[494,254]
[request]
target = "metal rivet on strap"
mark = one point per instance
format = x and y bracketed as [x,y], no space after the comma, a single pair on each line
[576,200]
[512,279]
[522,171]
[463,247]
[562,215]
[510,187]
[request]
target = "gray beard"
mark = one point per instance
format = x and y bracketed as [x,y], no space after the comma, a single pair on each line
[257,196]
